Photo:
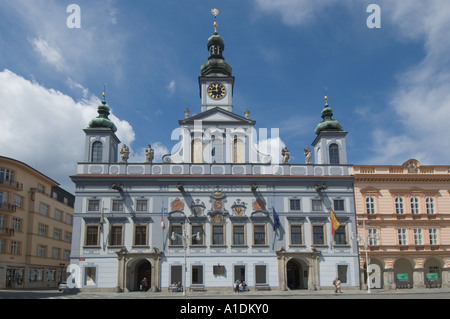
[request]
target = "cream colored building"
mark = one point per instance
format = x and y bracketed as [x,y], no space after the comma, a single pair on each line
[36,218]
[403,214]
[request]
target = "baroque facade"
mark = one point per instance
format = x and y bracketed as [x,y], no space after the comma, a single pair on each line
[36,218]
[217,210]
[403,214]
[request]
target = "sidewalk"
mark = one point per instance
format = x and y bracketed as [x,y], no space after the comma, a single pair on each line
[289,294]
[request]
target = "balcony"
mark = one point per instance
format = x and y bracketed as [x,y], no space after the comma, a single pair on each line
[7,232]
[7,207]
[12,184]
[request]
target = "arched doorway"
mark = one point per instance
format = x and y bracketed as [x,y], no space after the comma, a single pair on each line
[143,270]
[403,270]
[433,272]
[297,275]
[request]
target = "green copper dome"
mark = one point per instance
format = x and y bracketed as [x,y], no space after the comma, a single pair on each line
[328,123]
[102,120]
[216,64]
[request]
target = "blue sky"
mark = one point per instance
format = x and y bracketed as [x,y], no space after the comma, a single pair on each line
[388,87]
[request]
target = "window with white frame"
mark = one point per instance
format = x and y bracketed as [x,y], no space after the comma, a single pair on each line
[141,205]
[402,236]
[415,205]
[117,205]
[42,230]
[418,236]
[429,203]
[41,251]
[433,236]
[373,237]
[93,205]
[370,205]
[43,209]
[399,205]
[317,205]
[295,204]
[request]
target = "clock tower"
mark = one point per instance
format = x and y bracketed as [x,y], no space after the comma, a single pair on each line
[216,81]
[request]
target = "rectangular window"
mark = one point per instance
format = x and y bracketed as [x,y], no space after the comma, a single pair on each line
[238,235]
[58,214]
[15,248]
[415,205]
[17,224]
[42,230]
[218,235]
[317,205]
[318,235]
[141,205]
[117,205]
[56,253]
[43,209]
[402,236]
[176,240]
[370,205]
[429,201]
[259,234]
[197,275]
[41,251]
[18,201]
[399,205]
[260,274]
[197,229]
[342,273]
[92,236]
[340,236]
[57,233]
[339,205]
[418,236]
[294,204]
[94,205]
[140,235]
[296,235]
[433,235]
[373,237]
[116,238]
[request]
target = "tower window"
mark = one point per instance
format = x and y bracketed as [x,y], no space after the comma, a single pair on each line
[97,152]
[334,154]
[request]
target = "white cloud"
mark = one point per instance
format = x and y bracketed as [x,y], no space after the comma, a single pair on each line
[296,12]
[171,88]
[44,128]
[420,100]
[51,55]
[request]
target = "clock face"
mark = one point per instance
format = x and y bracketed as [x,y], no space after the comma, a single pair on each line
[217,91]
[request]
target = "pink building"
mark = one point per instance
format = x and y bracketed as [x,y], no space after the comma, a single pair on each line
[403,217]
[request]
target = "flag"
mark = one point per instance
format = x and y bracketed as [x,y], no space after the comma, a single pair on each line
[162,219]
[276,220]
[334,223]
[102,221]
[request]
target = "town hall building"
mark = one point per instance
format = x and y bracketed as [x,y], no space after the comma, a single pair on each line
[217,209]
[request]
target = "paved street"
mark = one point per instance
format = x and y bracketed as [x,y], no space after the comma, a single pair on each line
[298,294]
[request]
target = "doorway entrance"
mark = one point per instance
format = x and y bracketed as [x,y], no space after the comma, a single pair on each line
[297,276]
[144,270]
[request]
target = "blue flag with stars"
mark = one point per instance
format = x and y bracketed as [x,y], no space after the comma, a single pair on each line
[276,220]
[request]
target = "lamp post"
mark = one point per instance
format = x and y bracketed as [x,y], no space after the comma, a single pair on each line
[185,240]
[61,271]
[365,241]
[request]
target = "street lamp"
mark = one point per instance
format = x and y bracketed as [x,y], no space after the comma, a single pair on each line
[365,241]
[185,239]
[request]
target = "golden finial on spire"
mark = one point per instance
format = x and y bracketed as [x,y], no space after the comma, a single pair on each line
[215,13]
[104,93]
[326,96]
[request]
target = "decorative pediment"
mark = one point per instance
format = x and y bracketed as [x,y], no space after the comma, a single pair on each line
[216,115]
[370,191]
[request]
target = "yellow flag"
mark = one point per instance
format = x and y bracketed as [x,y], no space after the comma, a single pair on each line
[334,223]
